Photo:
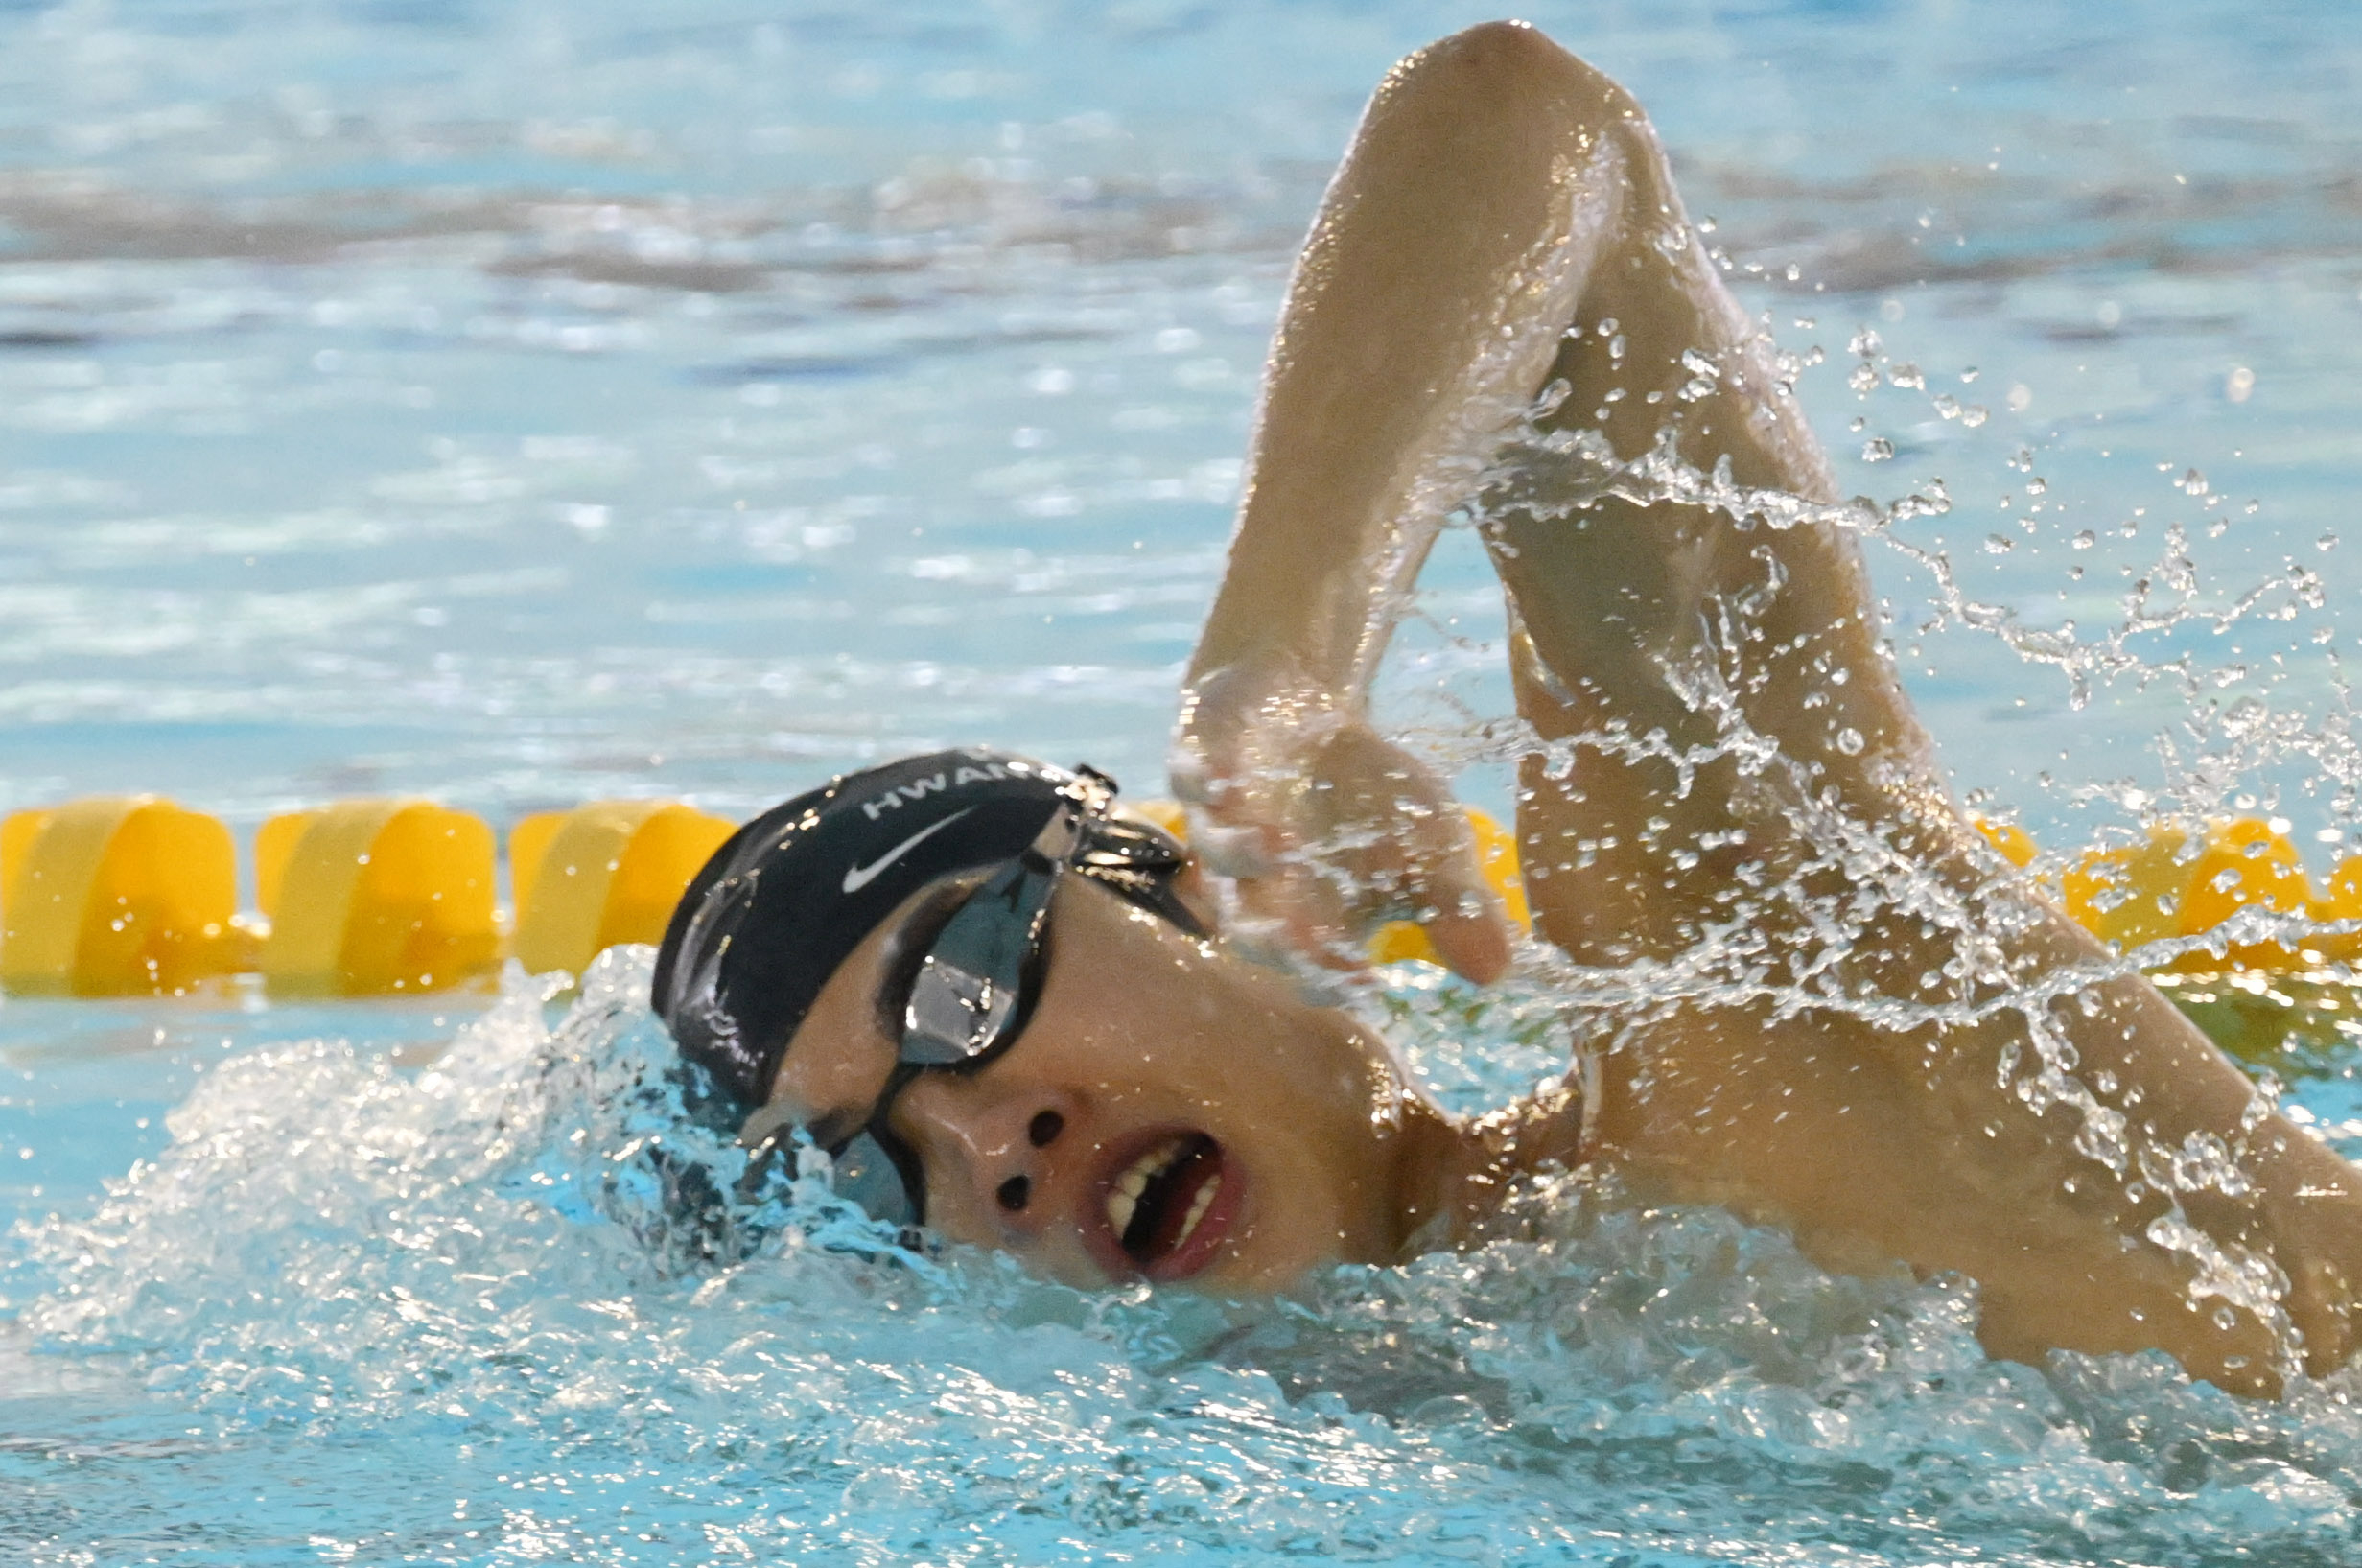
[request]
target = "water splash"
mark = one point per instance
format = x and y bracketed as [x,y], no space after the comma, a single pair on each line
[479,1273]
[1553,474]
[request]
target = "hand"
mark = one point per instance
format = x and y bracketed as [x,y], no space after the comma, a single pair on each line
[1326,828]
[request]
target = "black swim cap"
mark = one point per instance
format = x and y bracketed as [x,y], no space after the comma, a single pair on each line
[785,899]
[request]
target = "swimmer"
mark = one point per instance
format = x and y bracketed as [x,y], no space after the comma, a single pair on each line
[1006,1010]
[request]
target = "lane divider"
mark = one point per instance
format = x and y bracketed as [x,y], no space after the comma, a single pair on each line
[124,896]
[135,896]
[2182,885]
[117,896]
[602,876]
[375,898]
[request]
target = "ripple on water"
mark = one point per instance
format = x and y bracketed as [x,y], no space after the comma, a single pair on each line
[528,402]
[393,1308]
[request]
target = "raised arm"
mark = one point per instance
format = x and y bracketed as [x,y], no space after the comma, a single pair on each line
[1501,227]
[1423,317]
[1869,1036]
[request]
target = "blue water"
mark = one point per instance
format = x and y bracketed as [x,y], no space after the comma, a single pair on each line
[521,402]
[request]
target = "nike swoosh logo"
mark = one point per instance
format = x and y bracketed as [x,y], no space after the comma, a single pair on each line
[857,878]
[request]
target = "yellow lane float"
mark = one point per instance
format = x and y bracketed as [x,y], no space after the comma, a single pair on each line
[375,897]
[135,896]
[603,875]
[122,896]
[365,898]
[2181,884]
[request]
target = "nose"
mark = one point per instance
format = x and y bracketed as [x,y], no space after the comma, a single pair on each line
[976,1138]
[1042,1132]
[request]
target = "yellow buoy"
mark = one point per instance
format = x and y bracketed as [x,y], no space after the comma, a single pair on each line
[2013,843]
[117,896]
[2240,864]
[2131,895]
[372,897]
[602,875]
[2177,886]
[2341,898]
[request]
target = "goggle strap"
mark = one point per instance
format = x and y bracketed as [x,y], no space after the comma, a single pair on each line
[905,1164]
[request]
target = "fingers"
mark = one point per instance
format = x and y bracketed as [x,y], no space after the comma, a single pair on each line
[1296,907]
[1190,773]
[1320,901]
[1320,846]
[1474,941]
[1465,918]
[1239,851]
[1282,904]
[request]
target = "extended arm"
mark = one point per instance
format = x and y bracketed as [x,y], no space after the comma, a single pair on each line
[1503,224]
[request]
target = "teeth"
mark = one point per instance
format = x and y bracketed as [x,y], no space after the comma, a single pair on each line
[1197,1211]
[1125,1195]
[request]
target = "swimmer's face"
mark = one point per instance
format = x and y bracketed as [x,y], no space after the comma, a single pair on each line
[1168,1111]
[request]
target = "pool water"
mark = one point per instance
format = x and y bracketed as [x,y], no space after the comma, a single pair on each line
[523,403]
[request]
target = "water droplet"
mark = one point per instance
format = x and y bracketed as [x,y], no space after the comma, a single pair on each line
[1877,449]
[1997,543]
[1850,741]
[2327,542]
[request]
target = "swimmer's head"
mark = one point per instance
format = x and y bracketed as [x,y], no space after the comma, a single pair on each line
[775,909]
[1153,1107]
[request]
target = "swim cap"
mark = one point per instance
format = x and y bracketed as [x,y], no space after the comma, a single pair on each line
[785,899]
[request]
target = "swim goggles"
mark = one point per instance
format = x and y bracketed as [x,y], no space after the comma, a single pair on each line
[976,984]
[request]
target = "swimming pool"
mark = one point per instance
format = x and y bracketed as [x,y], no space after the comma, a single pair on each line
[525,402]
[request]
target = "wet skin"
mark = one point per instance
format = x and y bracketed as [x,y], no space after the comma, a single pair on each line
[1504,244]
[1499,193]
[1143,1034]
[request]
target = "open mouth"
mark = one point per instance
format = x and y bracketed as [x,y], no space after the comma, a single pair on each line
[1166,1207]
